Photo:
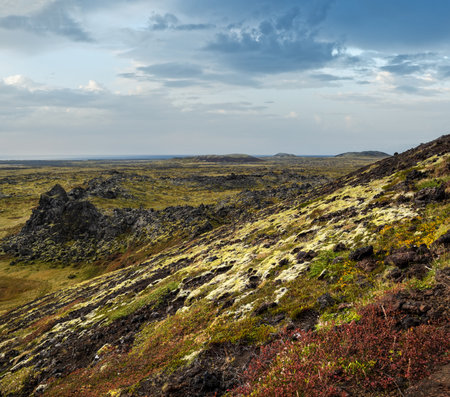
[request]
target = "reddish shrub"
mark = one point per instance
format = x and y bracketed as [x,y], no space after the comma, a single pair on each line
[370,355]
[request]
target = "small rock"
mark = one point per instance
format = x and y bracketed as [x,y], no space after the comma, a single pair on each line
[339,247]
[343,306]
[368,265]
[322,274]
[41,388]
[325,300]
[305,256]
[361,253]
[264,307]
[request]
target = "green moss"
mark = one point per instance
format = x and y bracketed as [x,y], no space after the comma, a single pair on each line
[322,262]
[154,298]
[248,330]
[13,382]
[429,183]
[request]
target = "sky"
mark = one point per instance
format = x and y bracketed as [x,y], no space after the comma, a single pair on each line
[132,77]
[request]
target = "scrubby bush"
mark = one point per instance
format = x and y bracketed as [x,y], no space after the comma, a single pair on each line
[371,355]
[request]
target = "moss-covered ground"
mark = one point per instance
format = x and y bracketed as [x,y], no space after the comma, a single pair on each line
[147,328]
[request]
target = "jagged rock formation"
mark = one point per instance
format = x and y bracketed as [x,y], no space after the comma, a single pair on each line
[67,228]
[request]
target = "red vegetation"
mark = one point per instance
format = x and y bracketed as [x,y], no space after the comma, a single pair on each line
[368,357]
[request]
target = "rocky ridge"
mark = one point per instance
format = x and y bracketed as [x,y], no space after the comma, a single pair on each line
[67,228]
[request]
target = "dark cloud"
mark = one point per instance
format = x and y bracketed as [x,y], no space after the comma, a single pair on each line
[403,68]
[173,70]
[195,26]
[162,22]
[181,83]
[444,71]
[416,90]
[233,10]
[405,64]
[387,24]
[169,21]
[52,19]
[328,77]
[283,43]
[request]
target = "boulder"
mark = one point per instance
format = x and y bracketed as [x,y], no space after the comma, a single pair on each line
[404,257]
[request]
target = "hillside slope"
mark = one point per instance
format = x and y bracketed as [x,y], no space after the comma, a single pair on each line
[189,320]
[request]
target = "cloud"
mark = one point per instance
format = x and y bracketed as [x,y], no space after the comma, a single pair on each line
[179,75]
[168,21]
[173,70]
[405,64]
[444,71]
[328,77]
[417,90]
[280,44]
[54,19]
[385,24]
[93,86]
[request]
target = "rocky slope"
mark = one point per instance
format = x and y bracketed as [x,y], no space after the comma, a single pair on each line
[298,271]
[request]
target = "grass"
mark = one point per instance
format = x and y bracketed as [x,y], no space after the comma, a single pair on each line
[155,297]
[20,284]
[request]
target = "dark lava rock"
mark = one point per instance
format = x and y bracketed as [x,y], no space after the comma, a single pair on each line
[305,256]
[283,262]
[264,307]
[404,257]
[395,275]
[305,319]
[436,385]
[443,240]
[361,253]
[430,194]
[339,247]
[367,264]
[325,300]
[253,282]
[415,175]
[391,164]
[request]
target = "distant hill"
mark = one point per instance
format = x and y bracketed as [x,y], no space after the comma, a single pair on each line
[228,158]
[285,155]
[367,153]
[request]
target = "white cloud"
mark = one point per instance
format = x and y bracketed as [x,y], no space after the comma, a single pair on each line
[292,115]
[92,86]
[22,82]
